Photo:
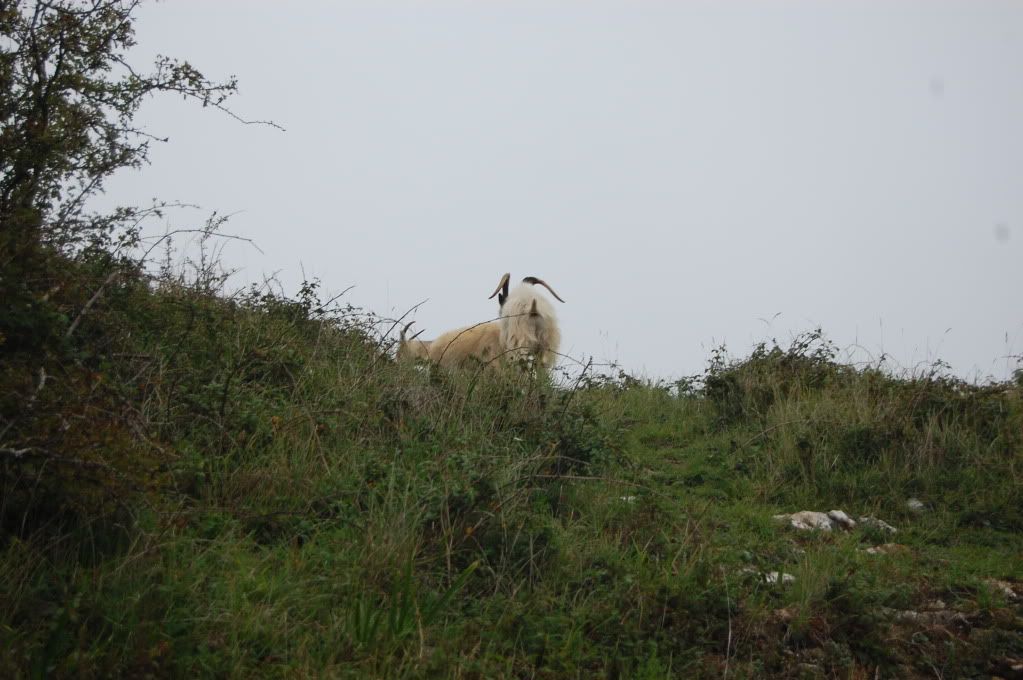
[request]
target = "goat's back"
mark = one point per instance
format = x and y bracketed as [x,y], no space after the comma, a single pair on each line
[464,345]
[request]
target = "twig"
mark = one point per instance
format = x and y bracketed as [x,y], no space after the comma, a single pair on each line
[35,452]
[208,232]
[398,320]
[323,306]
[155,84]
[39,388]
[88,305]
[575,387]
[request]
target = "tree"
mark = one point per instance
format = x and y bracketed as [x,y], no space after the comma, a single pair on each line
[68,98]
[71,430]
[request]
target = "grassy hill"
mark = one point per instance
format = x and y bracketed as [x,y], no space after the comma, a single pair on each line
[197,486]
[201,485]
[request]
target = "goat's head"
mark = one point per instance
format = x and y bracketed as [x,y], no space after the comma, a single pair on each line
[405,330]
[410,347]
[502,288]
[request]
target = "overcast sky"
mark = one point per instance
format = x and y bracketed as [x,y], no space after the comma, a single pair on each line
[684,174]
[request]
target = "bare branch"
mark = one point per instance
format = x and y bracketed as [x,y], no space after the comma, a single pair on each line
[88,305]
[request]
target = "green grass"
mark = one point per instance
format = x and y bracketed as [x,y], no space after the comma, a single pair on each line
[252,487]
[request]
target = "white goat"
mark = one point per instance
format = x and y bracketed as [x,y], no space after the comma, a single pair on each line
[527,327]
[412,348]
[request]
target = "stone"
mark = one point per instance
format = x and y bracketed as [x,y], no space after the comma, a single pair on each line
[769,577]
[886,549]
[776,577]
[1004,588]
[808,520]
[880,524]
[915,505]
[811,520]
[844,520]
[941,617]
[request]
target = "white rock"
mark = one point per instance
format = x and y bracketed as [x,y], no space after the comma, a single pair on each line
[876,523]
[769,577]
[941,617]
[1003,587]
[778,577]
[808,520]
[844,520]
[886,549]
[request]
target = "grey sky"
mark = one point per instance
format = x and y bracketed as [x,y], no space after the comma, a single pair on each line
[678,171]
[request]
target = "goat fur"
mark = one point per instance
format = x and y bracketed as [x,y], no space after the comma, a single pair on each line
[529,326]
[464,346]
[412,348]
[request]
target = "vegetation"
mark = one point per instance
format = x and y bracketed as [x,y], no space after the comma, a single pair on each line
[197,483]
[251,486]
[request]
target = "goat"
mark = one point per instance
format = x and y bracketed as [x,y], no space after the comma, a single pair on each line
[412,348]
[526,327]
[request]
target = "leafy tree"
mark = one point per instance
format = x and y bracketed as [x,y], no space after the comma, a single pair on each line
[68,98]
[68,101]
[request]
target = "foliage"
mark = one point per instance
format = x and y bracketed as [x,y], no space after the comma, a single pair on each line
[316,507]
[68,98]
[67,106]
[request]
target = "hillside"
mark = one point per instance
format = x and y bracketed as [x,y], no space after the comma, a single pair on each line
[252,487]
[197,483]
